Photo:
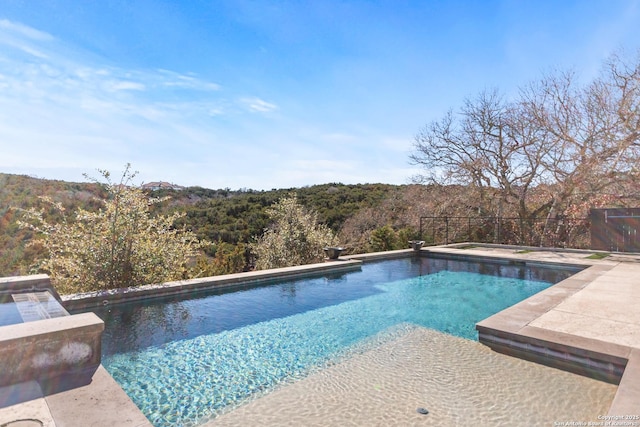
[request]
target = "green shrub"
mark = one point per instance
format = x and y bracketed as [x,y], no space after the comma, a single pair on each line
[120,245]
[294,238]
[383,239]
[229,258]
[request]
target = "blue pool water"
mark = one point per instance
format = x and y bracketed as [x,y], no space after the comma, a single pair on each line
[184,360]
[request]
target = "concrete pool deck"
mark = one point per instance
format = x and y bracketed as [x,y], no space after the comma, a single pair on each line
[595,311]
[100,403]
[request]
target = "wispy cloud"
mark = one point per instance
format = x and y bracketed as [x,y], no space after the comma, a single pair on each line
[23,39]
[338,137]
[61,73]
[65,112]
[401,144]
[28,32]
[258,105]
[125,85]
[172,79]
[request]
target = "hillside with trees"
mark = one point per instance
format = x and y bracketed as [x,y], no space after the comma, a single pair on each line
[20,192]
[363,218]
[230,219]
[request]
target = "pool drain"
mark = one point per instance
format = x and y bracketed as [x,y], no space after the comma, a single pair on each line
[423,411]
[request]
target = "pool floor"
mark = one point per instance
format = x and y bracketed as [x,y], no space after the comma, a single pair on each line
[460,382]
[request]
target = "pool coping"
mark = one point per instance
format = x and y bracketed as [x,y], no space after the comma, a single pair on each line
[509,331]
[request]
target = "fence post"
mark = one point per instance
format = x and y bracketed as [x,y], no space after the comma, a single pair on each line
[446,228]
[433,226]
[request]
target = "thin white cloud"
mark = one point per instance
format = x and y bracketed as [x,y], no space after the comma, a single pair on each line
[23,38]
[64,110]
[327,165]
[125,85]
[339,137]
[397,143]
[23,30]
[172,79]
[71,82]
[258,105]
[25,48]
[215,111]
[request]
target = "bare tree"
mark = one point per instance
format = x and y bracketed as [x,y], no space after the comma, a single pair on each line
[491,146]
[594,132]
[575,141]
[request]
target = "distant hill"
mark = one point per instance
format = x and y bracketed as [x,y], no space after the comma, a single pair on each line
[217,215]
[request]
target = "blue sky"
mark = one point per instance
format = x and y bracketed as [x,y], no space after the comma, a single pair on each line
[270,94]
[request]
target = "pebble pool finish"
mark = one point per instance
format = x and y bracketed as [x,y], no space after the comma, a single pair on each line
[183,362]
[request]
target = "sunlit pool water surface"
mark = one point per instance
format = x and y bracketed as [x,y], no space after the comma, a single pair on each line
[182,361]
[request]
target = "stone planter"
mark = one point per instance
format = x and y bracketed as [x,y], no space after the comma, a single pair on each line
[333,252]
[416,244]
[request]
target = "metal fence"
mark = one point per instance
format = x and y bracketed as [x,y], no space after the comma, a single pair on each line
[538,232]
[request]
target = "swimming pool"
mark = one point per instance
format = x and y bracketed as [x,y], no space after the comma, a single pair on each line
[182,361]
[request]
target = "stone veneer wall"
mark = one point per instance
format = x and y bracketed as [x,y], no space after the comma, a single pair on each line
[48,349]
[54,352]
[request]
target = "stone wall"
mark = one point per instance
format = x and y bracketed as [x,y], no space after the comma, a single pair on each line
[64,348]
[56,351]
